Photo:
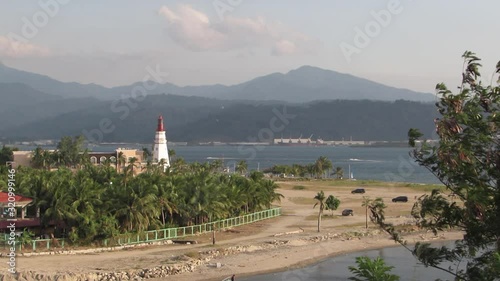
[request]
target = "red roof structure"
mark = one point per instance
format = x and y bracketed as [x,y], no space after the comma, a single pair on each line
[19,199]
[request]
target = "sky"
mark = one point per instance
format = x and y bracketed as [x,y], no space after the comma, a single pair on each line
[402,43]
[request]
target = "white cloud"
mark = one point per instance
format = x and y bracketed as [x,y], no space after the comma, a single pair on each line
[16,49]
[193,30]
[284,47]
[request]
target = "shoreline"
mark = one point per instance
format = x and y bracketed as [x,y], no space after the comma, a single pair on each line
[314,261]
[292,258]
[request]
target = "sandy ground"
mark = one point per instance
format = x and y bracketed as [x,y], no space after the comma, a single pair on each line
[298,213]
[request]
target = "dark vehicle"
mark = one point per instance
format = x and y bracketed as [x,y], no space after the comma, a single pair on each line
[400,199]
[347,212]
[358,190]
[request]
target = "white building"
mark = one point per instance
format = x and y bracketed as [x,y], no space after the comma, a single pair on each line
[160,150]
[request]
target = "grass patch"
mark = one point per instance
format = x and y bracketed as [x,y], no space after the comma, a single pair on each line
[299,187]
[302,200]
[426,187]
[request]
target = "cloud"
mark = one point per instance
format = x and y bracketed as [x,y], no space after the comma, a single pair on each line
[16,49]
[193,30]
[284,47]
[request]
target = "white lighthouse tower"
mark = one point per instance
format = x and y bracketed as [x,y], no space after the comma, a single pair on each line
[160,150]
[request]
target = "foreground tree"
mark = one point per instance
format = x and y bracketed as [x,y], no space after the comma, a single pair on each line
[372,270]
[467,161]
[6,154]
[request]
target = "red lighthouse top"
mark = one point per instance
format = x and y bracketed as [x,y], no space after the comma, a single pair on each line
[160,124]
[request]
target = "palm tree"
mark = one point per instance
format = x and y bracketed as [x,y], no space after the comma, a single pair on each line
[136,206]
[171,155]
[86,201]
[377,209]
[38,160]
[321,165]
[58,200]
[131,164]
[339,173]
[366,203]
[217,165]
[320,198]
[145,154]
[242,167]
[167,198]
[121,161]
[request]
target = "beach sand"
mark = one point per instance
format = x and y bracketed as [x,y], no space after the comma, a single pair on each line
[262,246]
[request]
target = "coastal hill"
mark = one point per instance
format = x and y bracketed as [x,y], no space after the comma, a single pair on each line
[20,104]
[304,84]
[327,104]
[195,119]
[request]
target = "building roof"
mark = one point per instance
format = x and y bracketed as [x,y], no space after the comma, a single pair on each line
[4,198]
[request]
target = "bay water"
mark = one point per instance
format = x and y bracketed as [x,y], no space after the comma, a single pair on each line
[337,268]
[365,163]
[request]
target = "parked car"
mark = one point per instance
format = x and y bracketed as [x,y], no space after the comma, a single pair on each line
[400,199]
[348,212]
[358,190]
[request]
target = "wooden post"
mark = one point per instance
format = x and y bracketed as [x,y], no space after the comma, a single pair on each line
[213,233]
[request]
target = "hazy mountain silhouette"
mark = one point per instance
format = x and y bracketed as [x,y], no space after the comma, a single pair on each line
[196,119]
[304,84]
[20,104]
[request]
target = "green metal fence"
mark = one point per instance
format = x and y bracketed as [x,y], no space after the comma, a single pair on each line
[156,235]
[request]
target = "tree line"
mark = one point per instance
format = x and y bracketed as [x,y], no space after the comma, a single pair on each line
[321,168]
[88,202]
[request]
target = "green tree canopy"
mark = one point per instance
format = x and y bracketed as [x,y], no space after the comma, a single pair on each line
[69,149]
[467,161]
[6,154]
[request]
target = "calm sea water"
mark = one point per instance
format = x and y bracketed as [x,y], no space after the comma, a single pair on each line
[336,268]
[377,163]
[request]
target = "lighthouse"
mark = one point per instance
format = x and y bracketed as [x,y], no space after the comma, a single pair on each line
[160,150]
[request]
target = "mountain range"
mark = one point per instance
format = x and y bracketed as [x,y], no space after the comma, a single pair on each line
[304,84]
[34,106]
